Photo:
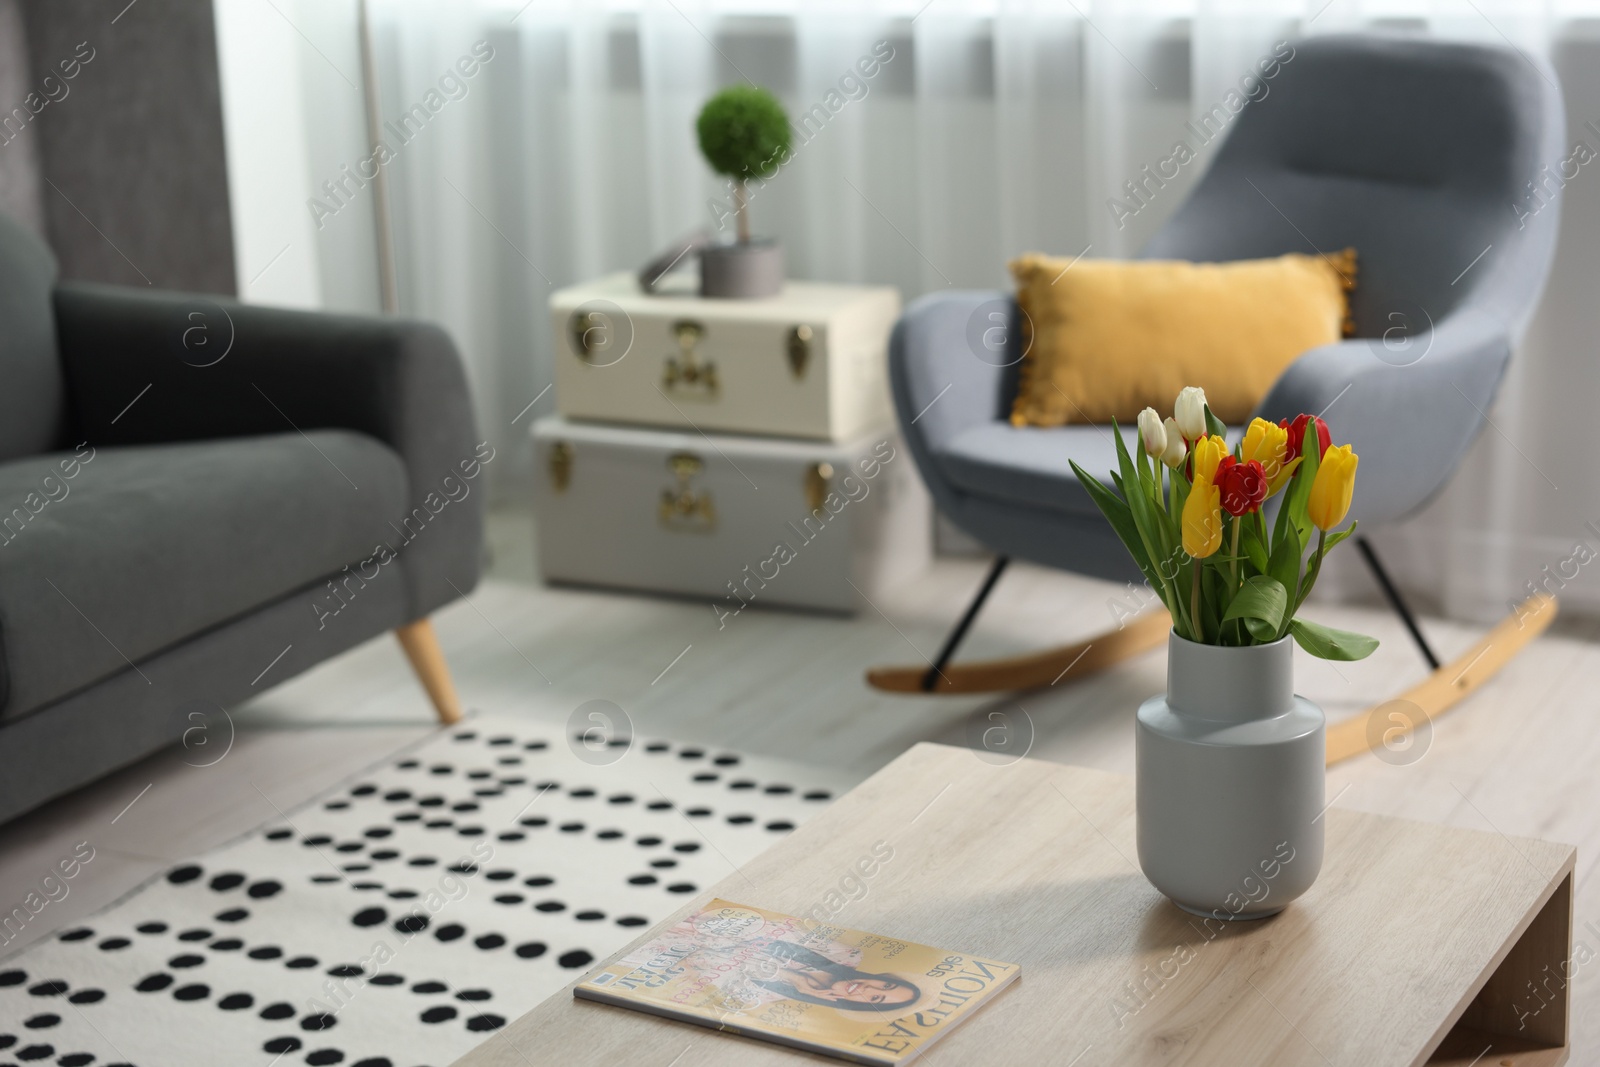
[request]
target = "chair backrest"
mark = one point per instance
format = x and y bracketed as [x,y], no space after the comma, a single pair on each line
[1424,156]
[32,392]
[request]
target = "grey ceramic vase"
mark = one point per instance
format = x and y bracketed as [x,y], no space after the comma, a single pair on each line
[1230,781]
[743,270]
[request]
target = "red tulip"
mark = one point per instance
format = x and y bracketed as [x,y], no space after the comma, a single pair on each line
[1243,485]
[1297,433]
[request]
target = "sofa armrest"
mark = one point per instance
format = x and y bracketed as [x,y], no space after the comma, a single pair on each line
[146,367]
[1410,408]
[953,360]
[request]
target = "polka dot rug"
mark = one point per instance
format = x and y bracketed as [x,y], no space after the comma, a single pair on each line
[408,915]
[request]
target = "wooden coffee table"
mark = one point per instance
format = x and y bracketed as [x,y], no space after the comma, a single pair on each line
[1419,944]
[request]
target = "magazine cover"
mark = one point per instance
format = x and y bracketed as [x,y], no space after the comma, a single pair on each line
[795,981]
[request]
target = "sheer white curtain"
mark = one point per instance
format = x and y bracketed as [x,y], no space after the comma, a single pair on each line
[987,129]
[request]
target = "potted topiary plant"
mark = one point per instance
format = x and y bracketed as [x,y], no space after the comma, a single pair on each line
[744,135]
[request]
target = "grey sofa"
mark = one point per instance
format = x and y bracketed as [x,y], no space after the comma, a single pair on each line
[199,499]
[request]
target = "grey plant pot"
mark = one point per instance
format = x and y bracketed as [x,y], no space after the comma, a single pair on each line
[745,270]
[1230,774]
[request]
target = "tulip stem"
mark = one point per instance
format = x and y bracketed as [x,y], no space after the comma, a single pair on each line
[1233,550]
[1194,605]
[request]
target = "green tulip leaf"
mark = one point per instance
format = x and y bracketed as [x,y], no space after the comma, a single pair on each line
[1325,642]
[1259,598]
[1215,425]
[1263,632]
[1254,550]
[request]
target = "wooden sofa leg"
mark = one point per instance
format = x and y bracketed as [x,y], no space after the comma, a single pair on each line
[427,659]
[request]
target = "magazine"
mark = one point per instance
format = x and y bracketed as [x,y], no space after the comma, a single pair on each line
[795,981]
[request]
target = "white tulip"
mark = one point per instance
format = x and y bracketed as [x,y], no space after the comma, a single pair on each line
[1152,432]
[1190,412]
[1176,450]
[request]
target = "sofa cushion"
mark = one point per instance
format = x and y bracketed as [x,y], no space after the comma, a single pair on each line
[1028,465]
[110,555]
[31,388]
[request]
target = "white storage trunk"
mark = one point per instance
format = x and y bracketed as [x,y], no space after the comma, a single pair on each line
[810,362]
[737,520]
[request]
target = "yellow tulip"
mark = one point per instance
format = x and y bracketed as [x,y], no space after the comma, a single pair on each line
[1208,452]
[1330,493]
[1268,444]
[1202,516]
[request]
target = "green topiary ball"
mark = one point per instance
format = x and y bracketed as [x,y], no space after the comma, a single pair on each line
[744,132]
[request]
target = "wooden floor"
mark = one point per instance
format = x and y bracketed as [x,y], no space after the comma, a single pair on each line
[1518,758]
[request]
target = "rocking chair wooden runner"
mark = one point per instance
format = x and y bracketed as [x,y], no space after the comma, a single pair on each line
[1423,156]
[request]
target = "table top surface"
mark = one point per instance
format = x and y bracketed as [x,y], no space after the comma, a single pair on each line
[1035,863]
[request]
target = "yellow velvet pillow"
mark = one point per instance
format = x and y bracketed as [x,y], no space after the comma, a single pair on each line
[1105,338]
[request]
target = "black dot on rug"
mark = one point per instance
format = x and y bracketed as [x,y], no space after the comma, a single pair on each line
[470,831]
[441,768]
[741,820]
[657,746]
[266,888]
[300,963]
[698,813]
[474,994]
[53,988]
[819,794]
[686,846]
[535,821]
[402,894]
[429,987]
[319,1021]
[466,735]
[6,1040]
[13,977]
[500,875]
[154,982]
[324,879]
[691,753]
[42,1022]
[501,739]
[465,805]
[778,790]
[485,1022]
[36,1052]
[230,880]
[265,952]
[449,932]
[509,898]
[681,887]
[589,916]
[531,950]
[336,805]
[346,970]
[279,1010]
[377,831]
[325,1056]
[375,1061]
[706,776]
[550,906]
[536,746]
[511,835]
[368,917]
[232,915]
[609,835]
[408,764]
[152,928]
[76,1059]
[88,996]
[620,798]
[184,874]
[642,879]
[438,1014]
[112,944]
[350,846]
[489,941]
[780,826]
[571,827]
[632,920]
[463,867]
[726,761]
[438,824]
[193,992]
[236,1002]
[279,835]
[648,842]
[659,805]
[538,881]
[388,979]
[280,1045]
[79,934]
[226,944]
[576,958]
[365,789]
[187,960]
[664,862]
[199,933]
[421,861]
[434,801]
[317,840]
[411,924]
[384,854]
[394,796]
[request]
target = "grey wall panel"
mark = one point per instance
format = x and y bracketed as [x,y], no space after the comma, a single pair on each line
[135,184]
[19,153]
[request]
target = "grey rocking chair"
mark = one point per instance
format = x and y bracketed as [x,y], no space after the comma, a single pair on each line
[1431,159]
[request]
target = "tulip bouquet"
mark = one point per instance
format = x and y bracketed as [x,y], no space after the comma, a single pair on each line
[1192,514]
